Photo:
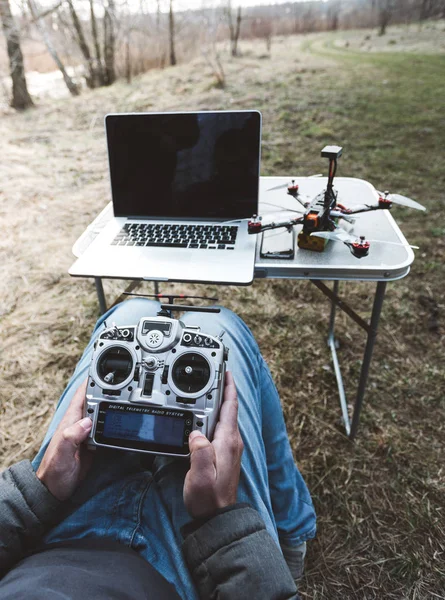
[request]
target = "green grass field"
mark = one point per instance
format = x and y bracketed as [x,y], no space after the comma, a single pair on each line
[380,501]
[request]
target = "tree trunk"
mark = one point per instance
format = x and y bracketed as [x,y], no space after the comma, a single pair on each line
[91,78]
[98,67]
[20,95]
[384,19]
[425,10]
[171,28]
[109,43]
[237,32]
[128,58]
[234,29]
[72,87]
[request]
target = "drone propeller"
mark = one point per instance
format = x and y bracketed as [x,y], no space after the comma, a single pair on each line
[339,235]
[341,215]
[402,200]
[282,186]
[282,209]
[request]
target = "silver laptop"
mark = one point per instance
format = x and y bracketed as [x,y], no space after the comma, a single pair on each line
[183,187]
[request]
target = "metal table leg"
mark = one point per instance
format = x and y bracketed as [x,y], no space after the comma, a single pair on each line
[372,334]
[333,348]
[100,295]
[351,426]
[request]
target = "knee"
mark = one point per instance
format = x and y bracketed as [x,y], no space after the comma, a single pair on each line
[233,321]
[228,316]
[225,319]
[236,327]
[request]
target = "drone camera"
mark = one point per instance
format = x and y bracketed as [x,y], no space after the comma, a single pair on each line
[332,152]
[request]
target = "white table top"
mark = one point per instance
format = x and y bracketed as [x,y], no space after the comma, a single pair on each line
[384,262]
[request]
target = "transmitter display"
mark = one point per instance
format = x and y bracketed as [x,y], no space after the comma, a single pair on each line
[143,428]
[150,325]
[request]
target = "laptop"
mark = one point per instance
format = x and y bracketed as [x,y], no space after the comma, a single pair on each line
[184,186]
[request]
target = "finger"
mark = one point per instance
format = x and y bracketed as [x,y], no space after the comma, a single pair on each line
[77,404]
[229,385]
[228,416]
[74,435]
[202,457]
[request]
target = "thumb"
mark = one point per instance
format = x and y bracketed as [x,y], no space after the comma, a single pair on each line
[76,434]
[202,455]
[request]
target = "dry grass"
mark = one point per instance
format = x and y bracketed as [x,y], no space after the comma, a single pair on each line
[380,501]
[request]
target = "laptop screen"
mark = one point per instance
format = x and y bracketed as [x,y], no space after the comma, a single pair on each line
[202,165]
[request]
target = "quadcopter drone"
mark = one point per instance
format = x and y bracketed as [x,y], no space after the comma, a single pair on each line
[321,215]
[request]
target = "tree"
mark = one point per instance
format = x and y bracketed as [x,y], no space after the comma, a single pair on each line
[429,8]
[20,95]
[210,51]
[109,42]
[171,30]
[38,18]
[95,35]
[234,28]
[333,15]
[385,9]
[84,48]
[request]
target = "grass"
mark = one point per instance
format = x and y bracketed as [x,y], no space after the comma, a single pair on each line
[380,501]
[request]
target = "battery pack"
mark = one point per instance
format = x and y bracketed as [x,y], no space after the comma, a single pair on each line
[311,242]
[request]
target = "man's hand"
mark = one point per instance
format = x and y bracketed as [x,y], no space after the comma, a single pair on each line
[212,480]
[67,460]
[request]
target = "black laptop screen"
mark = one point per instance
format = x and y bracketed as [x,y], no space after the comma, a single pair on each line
[185,165]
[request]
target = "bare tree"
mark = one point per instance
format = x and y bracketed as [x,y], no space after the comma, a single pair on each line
[234,27]
[109,42]
[262,27]
[158,15]
[385,9]
[20,95]
[333,14]
[429,8]
[40,23]
[93,77]
[94,32]
[171,36]
[210,50]
[128,72]
[308,19]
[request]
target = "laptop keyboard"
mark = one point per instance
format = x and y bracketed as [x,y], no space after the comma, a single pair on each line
[219,237]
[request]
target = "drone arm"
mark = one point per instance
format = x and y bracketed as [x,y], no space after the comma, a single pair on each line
[360,208]
[287,224]
[259,227]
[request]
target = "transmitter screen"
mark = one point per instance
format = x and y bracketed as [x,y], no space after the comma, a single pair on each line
[139,427]
[150,325]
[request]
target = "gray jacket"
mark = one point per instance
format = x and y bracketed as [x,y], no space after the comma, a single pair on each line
[230,556]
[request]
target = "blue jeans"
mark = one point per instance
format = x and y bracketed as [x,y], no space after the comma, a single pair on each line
[143,507]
